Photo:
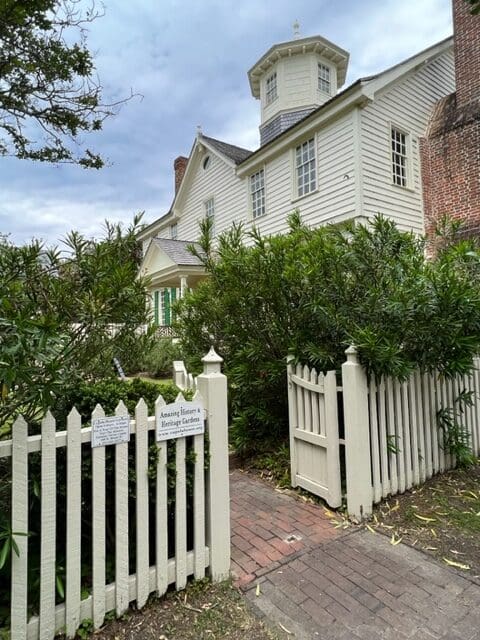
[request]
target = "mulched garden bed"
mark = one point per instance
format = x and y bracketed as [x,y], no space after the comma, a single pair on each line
[204,611]
[442,518]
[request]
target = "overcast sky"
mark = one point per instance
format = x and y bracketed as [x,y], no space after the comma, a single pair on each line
[189,60]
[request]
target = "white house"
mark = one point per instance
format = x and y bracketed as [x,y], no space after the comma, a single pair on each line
[334,153]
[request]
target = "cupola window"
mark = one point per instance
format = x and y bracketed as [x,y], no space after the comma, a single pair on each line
[271,88]
[324,82]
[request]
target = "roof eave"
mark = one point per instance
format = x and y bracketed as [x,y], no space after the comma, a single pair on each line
[352,96]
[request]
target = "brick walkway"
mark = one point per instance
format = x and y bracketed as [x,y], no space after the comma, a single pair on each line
[332,584]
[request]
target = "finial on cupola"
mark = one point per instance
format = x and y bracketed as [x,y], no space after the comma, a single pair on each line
[296,30]
[199,130]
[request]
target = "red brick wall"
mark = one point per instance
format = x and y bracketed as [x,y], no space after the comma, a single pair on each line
[450,152]
[451,177]
[179,166]
[467,52]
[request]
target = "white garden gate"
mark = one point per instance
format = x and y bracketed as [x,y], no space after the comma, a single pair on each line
[314,433]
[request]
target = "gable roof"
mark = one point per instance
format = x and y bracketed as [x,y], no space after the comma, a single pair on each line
[177,251]
[237,154]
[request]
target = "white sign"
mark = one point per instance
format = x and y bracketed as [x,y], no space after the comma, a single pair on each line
[179,420]
[112,430]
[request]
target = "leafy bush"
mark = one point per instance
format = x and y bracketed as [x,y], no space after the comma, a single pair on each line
[312,293]
[157,360]
[57,309]
[108,393]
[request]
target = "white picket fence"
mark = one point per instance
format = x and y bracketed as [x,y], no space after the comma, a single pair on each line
[392,436]
[211,522]
[392,440]
[182,378]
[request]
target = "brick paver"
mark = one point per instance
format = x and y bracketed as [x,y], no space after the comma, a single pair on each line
[333,584]
[269,526]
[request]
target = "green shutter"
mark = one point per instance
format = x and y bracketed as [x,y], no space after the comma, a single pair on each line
[166,300]
[155,307]
[173,297]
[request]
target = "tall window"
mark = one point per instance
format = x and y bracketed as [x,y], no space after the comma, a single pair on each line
[324,83]
[399,157]
[305,167]
[173,231]
[257,193]
[165,312]
[271,88]
[209,208]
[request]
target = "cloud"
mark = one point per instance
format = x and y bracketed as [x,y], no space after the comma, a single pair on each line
[189,61]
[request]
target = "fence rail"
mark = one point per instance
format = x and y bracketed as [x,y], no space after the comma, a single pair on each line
[210,539]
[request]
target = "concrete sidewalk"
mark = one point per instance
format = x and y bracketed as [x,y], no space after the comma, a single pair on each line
[323,583]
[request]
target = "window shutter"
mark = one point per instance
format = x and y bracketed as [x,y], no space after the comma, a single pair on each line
[167,307]
[155,307]
[173,297]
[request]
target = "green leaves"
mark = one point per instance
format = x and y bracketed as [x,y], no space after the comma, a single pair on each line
[56,312]
[49,87]
[313,292]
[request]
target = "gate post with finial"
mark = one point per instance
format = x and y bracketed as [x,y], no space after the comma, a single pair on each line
[212,385]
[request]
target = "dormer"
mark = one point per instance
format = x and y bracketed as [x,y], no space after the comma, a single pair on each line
[294,78]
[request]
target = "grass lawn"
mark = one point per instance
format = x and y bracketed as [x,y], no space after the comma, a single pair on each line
[442,517]
[204,611]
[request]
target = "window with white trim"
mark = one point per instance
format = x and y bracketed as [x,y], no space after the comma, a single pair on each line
[324,82]
[271,88]
[399,142]
[209,208]
[173,231]
[257,193]
[305,168]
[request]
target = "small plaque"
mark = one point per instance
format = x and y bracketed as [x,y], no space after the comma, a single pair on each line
[179,420]
[111,430]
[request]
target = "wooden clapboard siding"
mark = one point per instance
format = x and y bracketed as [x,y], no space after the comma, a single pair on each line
[220,183]
[406,105]
[334,199]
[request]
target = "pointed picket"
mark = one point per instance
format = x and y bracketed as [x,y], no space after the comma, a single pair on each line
[142,528]
[180,398]
[74,534]
[18,626]
[414,429]
[48,529]
[382,422]
[161,516]
[407,441]
[199,503]
[392,442]
[98,528]
[122,596]
[180,515]
[374,441]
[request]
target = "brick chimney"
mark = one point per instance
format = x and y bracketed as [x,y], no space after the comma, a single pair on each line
[467,52]
[180,166]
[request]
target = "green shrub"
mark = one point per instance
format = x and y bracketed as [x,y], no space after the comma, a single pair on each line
[312,293]
[157,361]
[108,393]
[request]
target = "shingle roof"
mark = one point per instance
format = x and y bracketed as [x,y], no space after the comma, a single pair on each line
[237,154]
[177,250]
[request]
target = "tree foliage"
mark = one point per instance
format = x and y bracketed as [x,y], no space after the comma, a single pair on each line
[312,293]
[56,315]
[475,10]
[49,94]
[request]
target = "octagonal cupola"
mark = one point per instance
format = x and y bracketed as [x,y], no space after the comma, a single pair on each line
[294,78]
